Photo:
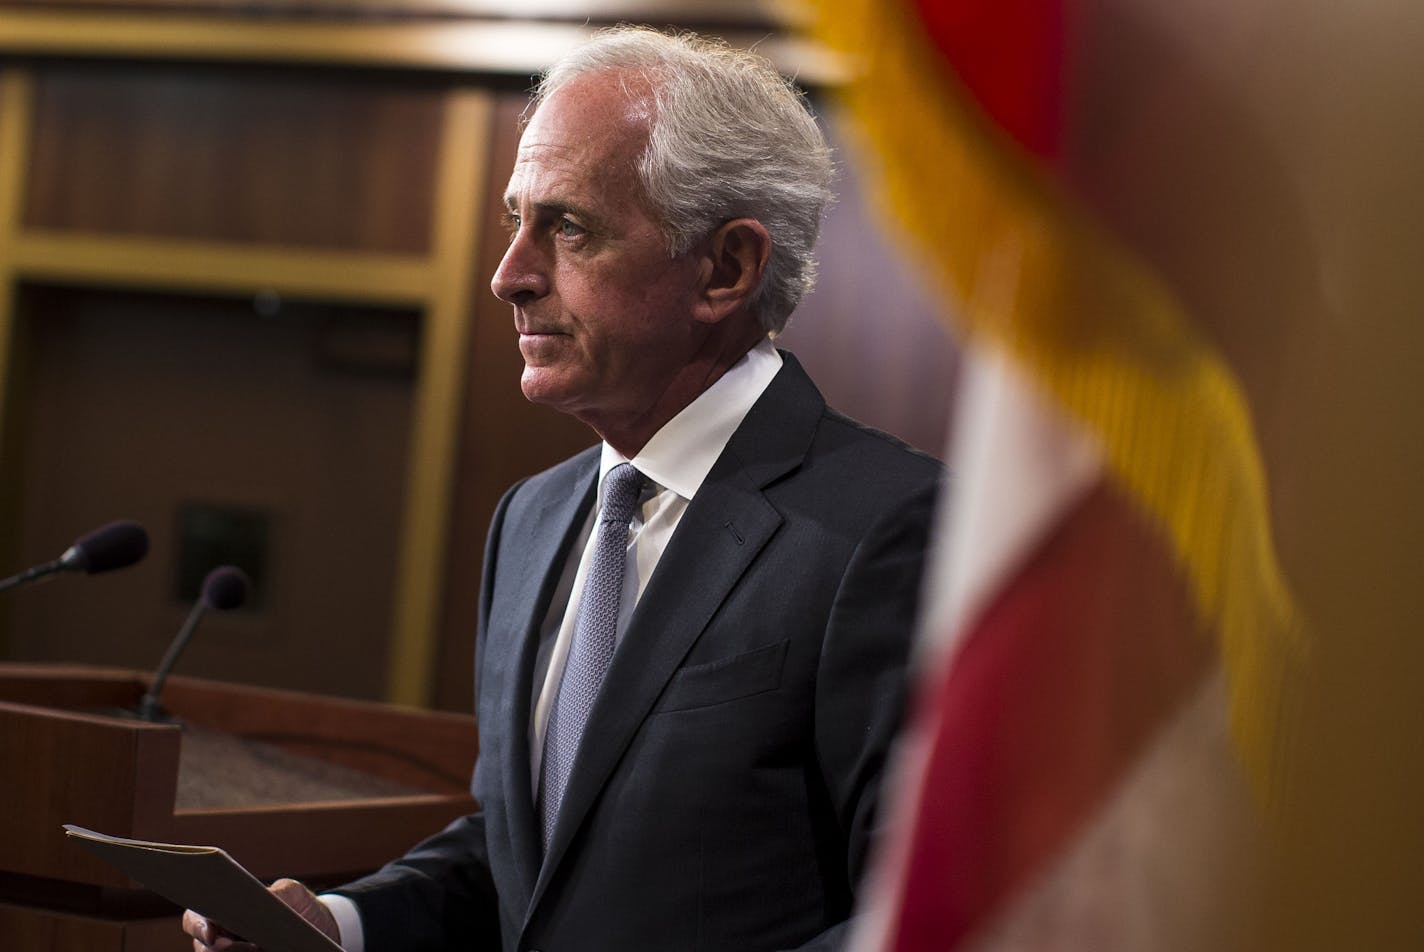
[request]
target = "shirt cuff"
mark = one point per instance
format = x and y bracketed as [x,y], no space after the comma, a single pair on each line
[348,921]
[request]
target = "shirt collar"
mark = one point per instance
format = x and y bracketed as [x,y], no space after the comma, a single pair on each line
[681,454]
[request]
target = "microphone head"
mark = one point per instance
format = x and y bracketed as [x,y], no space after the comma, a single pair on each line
[225,587]
[113,546]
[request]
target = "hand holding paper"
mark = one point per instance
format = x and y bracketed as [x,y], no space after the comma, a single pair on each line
[209,881]
[301,899]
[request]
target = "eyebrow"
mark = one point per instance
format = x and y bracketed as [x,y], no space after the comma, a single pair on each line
[556,207]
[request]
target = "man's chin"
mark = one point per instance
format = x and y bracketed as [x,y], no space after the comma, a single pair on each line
[542,387]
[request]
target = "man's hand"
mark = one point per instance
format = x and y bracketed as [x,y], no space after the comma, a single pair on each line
[208,935]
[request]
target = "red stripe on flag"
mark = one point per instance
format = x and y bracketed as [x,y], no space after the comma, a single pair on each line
[1010,55]
[1051,698]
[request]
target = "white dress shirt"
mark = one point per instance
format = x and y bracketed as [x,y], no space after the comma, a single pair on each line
[676,461]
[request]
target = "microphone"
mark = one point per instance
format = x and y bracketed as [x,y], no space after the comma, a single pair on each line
[113,546]
[224,588]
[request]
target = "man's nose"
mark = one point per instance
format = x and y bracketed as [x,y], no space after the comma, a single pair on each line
[522,275]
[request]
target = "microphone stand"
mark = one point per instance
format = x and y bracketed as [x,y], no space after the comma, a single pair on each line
[34,573]
[148,707]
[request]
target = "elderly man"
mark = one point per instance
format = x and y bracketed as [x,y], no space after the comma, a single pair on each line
[693,635]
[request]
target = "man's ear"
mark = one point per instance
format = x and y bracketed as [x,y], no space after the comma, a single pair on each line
[733,267]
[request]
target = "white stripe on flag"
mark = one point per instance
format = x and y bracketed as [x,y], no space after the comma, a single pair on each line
[1016,466]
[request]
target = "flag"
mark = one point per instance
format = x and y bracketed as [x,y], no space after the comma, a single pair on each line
[1113,746]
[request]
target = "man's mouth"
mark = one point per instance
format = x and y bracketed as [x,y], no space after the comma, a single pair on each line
[530,328]
[540,345]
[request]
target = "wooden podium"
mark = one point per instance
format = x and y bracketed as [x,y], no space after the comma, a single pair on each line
[317,788]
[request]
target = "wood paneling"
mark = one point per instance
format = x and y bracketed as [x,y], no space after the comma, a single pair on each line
[750,13]
[481,49]
[15,98]
[141,403]
[311,184]
[504,437]
[435,432]
[223,268]
[282,158]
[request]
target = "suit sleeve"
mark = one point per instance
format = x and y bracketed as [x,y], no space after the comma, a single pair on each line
[862,682]
[437,893]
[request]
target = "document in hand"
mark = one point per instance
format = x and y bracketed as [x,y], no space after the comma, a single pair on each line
[209,881]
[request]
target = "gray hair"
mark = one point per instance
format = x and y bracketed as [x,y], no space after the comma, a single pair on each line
[729,138]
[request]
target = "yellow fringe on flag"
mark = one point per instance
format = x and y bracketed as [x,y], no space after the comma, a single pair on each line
[1099,332]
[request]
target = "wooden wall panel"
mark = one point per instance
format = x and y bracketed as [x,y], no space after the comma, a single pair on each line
[715,14]
[504,437]
[201,162]
[283,157]
[142,404]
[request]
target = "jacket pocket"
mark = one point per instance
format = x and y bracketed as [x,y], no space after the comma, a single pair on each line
[726,679]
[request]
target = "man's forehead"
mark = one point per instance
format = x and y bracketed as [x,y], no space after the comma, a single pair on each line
[601,109]
[549,174]
[580,140]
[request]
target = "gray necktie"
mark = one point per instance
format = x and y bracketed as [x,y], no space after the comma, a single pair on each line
[595,631]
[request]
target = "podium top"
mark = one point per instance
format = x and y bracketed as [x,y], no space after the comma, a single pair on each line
[302,785]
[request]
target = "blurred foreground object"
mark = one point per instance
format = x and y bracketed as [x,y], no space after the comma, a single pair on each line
[1169,670]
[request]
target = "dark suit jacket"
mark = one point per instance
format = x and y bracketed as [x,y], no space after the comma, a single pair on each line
[725,794]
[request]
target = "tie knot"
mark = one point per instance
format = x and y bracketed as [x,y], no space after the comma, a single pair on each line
[621,489]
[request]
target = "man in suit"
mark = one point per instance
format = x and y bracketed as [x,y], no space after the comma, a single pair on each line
[685,705]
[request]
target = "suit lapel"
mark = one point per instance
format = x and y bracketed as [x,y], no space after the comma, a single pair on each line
[724,528]
[546,535]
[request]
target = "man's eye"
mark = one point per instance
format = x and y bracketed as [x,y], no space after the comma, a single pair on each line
[568,229]
[510,222]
